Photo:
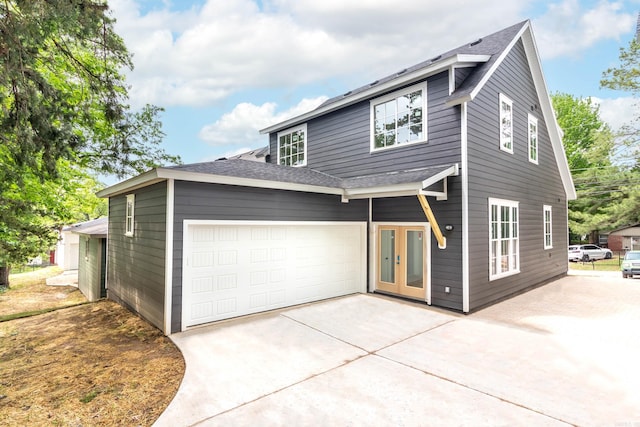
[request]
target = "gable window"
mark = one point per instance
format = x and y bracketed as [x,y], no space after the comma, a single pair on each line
[506,124]
[504,251]
[292,146]
[548,238]
[533,139]
[399,118]
[128,224]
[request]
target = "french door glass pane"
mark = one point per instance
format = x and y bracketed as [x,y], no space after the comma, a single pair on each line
[387,256]
[415,259]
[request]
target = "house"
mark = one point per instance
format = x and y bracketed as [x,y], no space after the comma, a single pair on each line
[92,258]
[66,252]
[445,182]
[626,238]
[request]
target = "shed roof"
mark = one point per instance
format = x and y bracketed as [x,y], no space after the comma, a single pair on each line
[97,228]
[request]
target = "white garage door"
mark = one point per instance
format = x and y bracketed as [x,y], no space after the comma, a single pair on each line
[235,269]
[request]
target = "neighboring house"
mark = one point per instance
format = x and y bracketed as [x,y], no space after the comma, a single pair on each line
[627,238]
[66,254]
[445,182]
[92,267]
[257,155]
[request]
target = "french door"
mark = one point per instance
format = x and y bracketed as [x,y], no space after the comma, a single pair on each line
[401,260]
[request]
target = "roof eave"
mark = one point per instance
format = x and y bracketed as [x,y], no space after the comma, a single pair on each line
[437,67]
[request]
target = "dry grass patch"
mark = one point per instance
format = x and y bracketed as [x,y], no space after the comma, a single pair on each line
[94,364]
[29,293]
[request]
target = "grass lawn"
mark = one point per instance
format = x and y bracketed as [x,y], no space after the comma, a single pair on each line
[612,264]
[89,364]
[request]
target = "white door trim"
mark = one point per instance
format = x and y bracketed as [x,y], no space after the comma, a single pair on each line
[373,259]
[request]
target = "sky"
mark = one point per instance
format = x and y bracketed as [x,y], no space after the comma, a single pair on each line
[224,69]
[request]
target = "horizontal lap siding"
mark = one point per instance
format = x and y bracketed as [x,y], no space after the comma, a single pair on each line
[339,143]
[90,267]
[201,201]
[136,265]
[498,174]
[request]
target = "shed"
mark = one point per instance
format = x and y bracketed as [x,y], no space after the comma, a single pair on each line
[92,259]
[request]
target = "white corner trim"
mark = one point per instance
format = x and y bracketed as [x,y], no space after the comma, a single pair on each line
[168,262]
[464,153]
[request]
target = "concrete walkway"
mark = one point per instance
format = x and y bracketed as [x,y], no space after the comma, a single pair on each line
[564,354]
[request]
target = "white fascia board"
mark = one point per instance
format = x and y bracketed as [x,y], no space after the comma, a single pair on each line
[555,132]
[160,174]
[470,97]
[142,180]
[245,182]
[457,60]
[376,193]
[450,171]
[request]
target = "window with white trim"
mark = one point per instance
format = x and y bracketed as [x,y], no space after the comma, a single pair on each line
[533,139]
[399,118]
[548,227]
[504,245]
[506,124]
[128,222]
[292,146]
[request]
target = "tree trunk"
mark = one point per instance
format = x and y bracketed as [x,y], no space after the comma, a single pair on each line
[4,276]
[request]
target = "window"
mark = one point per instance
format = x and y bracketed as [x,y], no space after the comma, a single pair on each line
[292,146]
[506,124]
[504,250]
[399,118]
[548,230]
[128,225]
[533,139]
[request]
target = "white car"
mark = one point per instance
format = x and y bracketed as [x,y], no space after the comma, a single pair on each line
[588,253]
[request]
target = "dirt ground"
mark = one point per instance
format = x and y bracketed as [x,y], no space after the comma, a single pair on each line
[92,364]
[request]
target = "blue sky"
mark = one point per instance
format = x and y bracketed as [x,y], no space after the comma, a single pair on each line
[223,69]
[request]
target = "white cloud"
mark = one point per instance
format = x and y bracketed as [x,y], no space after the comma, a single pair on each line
[242,124]
[200,56]
[569,29]
[617,112]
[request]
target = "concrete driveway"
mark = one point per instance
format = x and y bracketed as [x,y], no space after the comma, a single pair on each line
[567,353]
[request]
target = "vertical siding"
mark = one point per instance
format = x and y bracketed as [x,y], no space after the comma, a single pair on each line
[495,173]
[136,264]
[91,267]
[201,201]
[339,143]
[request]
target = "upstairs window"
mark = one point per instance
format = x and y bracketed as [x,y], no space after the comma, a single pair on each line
[533,139]
[548,237]
[292,146]
[504,245]
[399,118]
[128,224]
[506,124]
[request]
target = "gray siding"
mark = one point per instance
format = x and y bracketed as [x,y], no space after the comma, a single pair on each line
[339,143]
[223,202]
[446,264]
[136,264]
[91,267]
[495,173]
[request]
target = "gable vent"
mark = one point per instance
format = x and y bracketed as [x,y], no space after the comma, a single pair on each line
[477,42]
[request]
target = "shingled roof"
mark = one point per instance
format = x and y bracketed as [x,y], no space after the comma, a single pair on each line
[482,54]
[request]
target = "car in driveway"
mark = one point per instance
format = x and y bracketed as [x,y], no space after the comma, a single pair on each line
[588,253]
[630,264]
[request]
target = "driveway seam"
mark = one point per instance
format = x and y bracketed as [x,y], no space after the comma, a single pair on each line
[364,349]
[474,389]
[279,390]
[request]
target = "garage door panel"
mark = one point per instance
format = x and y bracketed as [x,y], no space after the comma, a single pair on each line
[232,270]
